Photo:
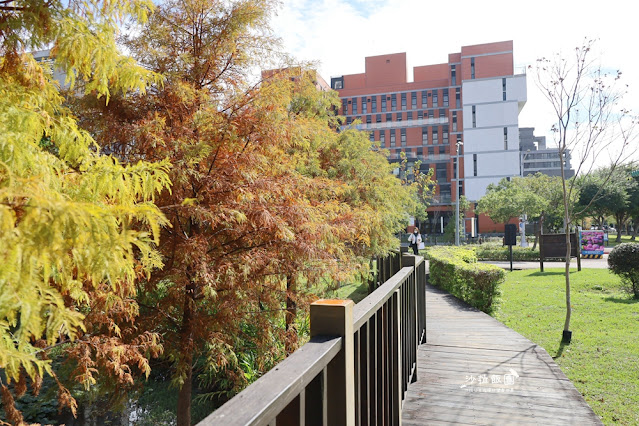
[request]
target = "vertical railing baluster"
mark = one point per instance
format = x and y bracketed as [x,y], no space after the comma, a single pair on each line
[364,374]
[358,378]
[371,370]
[315,401]
[396,394]
[379,369]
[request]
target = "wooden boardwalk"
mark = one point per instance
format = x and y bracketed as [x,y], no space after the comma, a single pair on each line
[475,370]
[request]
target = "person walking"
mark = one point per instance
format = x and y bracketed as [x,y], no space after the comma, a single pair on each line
[414,240]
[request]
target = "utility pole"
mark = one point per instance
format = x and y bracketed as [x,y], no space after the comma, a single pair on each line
[457,147]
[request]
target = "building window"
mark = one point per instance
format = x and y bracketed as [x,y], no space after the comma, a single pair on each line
[472,68]
[382,138]
[374,104]
[403,137]
[474,164]
[371,136]
[378,118]
[457,98]
[474,117]
[383,97]
[442,113]
[409,115]
[354,106]
[445,99]
[435,101]
[503,88]
[454,121]
[424,99]
[349,120]
[364,106]
[344,107]
[392,137]
[398,116]
[368,119]
[506,138]
[424,135]
[420,115]
[403,100]
[413,100]
[453,75]
[389,116]
[445,135]
[393,102]
[420,153]
[431,114]
[431,152]
[435,136]
[441,172]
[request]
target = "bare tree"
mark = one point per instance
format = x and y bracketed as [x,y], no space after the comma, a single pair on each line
[590,122]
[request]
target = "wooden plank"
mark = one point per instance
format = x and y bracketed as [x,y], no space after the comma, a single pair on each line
[463,342]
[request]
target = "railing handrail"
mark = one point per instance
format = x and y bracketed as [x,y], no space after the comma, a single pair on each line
[279,386]
[366,308]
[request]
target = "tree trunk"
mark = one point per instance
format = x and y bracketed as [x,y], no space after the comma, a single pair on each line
[635,225]
[567,272]
[539,229]
[184,400]
[186,333]
[620,222]
[566,333]
[291,313]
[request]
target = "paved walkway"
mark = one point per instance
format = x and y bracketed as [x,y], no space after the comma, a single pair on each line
[475,370]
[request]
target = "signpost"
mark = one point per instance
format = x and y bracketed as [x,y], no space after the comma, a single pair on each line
[592,244]
[510,239]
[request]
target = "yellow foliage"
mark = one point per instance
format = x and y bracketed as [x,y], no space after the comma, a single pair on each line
[71,219]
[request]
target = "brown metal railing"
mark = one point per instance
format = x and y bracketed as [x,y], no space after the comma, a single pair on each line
[356,368]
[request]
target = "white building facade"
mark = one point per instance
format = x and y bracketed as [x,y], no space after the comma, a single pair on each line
[491,108]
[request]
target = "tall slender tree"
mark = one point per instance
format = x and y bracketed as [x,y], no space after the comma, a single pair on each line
[591,122]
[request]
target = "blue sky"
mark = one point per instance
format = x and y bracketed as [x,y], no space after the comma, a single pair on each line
[339,34]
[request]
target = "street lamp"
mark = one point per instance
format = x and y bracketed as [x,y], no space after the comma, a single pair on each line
[458,145]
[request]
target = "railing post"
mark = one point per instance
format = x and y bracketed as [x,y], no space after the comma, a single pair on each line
[335,318]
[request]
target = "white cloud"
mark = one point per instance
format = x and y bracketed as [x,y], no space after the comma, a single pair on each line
[340,34]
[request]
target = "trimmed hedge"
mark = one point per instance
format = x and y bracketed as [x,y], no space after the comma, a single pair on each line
[494,252]
[455,269]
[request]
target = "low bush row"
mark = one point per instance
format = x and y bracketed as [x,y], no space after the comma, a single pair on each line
[498,252]
[455,269]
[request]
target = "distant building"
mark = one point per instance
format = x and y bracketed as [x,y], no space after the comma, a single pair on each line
[295,73]
[473,101]
[44,56]
[535,157]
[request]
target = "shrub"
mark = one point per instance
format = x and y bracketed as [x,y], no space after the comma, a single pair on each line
[499,252]
[456,270]
[623,260]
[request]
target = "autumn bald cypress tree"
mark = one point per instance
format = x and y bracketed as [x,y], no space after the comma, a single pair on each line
[267,199]
[76,227]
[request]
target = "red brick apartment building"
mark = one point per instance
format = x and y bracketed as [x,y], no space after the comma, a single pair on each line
[472,101]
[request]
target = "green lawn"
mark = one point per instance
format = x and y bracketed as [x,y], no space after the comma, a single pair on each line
[603,359]
[624,239]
